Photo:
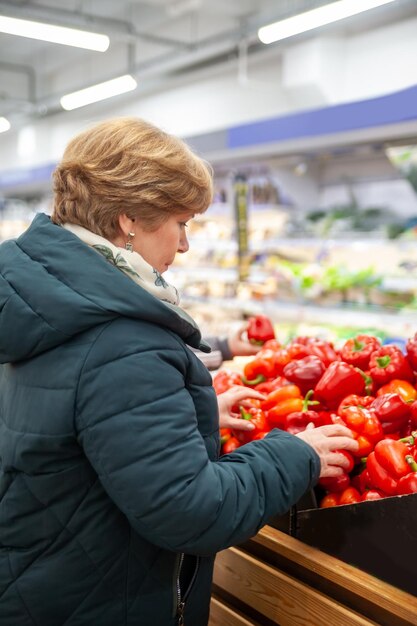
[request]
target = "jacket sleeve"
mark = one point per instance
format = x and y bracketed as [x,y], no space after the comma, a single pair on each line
[137,422]
[220,352]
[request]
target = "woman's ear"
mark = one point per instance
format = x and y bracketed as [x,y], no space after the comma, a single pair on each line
[126,224]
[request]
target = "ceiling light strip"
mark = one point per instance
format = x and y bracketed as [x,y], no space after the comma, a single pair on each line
[4,124]
[54,34]
[98,92]
[315,18]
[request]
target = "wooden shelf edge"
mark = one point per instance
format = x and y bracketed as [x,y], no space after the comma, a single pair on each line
[367,589]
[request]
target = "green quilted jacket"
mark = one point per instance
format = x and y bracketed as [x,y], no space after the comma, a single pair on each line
[113,499]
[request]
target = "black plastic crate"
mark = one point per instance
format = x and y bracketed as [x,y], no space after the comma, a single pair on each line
[377,536]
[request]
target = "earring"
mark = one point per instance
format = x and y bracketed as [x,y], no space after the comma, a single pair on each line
[129,244]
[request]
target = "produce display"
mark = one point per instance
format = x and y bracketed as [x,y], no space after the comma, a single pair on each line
[368,387]
[343,256]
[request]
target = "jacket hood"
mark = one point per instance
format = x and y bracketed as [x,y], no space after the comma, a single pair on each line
[53,286]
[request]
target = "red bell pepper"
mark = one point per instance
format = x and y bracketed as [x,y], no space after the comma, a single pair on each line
[391,454]
[279,394]
[349,496]
[371,429]
[325,417]
[413,414]
[339,380]
[277,414]
[361,481]
[272,344]
[225,434]
[395,435]
[260,435]
[380,477]
[335,484]
[372,494]
[296,351]
[257,418]
[269,385]
[224,379]
[406,390]
[365,426]
[365,445]
[408,483]
[297,421]
[354,400]
[280,402]
[411,350]
[282,357]
[387,363]
[305,372]
[313,346]
[230,445]
[259,369]
[392,411]
[357,351]
[329,500]
[260,329]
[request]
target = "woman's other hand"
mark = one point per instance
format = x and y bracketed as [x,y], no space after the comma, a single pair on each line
[228,399]
[239,344]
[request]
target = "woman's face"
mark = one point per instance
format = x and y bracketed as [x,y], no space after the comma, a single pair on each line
[158,248]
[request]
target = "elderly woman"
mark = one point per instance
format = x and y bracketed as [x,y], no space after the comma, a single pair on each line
[113,497]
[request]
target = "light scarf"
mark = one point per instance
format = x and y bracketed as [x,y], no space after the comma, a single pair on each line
[130,263]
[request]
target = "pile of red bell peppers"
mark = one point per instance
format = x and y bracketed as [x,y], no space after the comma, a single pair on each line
[368,387]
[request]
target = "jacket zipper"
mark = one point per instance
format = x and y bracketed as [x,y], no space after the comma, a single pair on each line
[180,603]
[181,600]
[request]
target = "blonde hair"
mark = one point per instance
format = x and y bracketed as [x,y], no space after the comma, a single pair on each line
[127,165]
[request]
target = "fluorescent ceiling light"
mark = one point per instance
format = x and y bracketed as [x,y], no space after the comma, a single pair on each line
[315,18]
[4,124]
[54,34]
[98,92]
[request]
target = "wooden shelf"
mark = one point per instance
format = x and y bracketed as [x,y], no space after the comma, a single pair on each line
[277,579]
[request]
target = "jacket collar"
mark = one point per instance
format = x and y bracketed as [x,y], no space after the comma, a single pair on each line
[54,286]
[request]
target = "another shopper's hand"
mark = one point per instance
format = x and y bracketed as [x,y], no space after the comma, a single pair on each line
[227,400]
[326,441]
[240,345]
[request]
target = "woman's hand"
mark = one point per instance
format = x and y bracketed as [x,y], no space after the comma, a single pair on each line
[239,344]
[231,397]
[326,441]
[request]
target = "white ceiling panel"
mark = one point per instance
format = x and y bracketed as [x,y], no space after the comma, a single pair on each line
[149,39]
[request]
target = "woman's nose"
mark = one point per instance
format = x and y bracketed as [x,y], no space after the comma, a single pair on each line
[183,245]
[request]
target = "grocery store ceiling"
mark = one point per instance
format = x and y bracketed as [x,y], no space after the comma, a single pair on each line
[157,41]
